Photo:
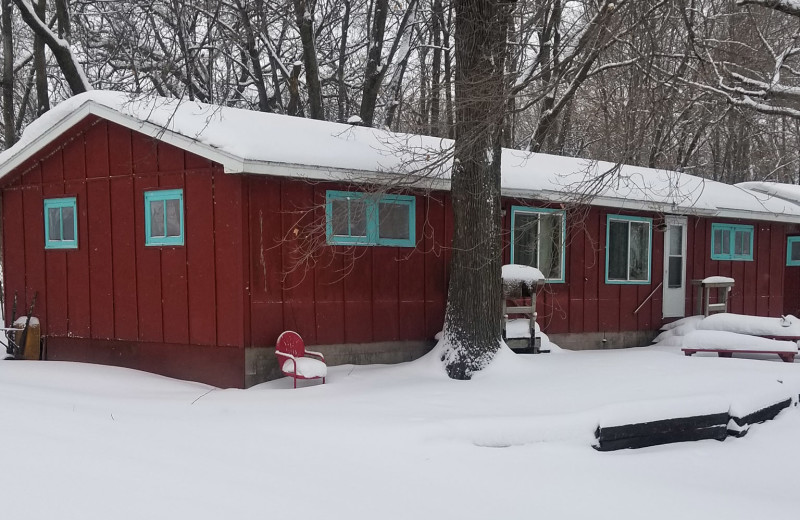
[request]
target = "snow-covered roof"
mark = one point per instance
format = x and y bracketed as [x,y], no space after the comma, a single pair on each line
[790,192]
[245,141]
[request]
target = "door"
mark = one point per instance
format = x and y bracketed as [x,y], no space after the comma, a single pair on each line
[674,267]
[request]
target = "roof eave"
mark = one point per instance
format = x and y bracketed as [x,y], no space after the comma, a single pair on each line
[229,162]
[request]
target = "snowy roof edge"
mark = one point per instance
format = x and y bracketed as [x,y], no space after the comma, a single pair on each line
[82,106]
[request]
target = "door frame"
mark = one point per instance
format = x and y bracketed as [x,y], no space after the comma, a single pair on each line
[674,220]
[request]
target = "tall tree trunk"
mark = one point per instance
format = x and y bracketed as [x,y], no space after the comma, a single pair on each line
[448,74]
[342,93]
[373,73]
[305,23]
[254,58]
[436,67]
[473,322]
[9,131]
[40,64]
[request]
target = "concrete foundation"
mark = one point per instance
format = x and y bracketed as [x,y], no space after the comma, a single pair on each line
[261,364]
[604,340]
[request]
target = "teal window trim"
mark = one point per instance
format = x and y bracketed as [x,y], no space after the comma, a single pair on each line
[64,202]
[789,242]
[162,196]
[372,203]
[628,218]
[525,209]
[732,228]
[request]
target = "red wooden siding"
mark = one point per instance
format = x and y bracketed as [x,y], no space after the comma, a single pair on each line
[241,277]
[341,295]
[112,287]
[372,294]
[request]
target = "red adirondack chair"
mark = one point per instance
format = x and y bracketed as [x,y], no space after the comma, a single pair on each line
[297,362]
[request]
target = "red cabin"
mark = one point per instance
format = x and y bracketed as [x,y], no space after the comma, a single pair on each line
[183,238]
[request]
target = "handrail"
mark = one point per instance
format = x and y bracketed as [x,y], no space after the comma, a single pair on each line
[650,296]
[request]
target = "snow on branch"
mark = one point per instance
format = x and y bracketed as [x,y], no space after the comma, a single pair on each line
[791,7]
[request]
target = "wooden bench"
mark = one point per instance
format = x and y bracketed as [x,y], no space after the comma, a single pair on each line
[726,353]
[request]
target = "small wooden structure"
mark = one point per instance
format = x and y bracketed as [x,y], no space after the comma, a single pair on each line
[785,355]
[723,287]
[520,284]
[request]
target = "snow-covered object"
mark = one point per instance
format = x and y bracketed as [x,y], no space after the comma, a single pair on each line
[306,367]
[518,328]
[718,279]
[272,144]
[790,192]
[355,120]
[755,325]
[717,339]
[787,326]
[20,322]
[515,275]
[637,411]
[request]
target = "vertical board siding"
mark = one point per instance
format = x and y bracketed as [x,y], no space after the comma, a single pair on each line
[228,258]
[214,292]
[78,283]
[123,253]
[148,270]
[174,286]
[35,270]
[13,250]
[101,274]
[112,287]
[200,266]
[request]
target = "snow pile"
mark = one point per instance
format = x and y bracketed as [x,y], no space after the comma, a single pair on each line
[717,339]
[20,322]
[520,328]
[516,275]
[674,333]
[637,411]
[718,279]
[306,367]
[198,452]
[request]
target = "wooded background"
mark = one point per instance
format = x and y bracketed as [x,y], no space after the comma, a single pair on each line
[705,86]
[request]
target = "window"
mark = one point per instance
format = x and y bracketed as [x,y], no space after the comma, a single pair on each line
[60,223]
[537,239]
[353,218]
[628,247]
[731,242]
[793,251]
[163,218]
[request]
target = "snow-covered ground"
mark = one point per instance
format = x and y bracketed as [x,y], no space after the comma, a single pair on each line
[395,442]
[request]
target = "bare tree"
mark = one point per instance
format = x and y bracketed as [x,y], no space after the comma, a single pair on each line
[473,326]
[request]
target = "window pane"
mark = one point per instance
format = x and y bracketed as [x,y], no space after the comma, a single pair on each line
[675,240]
[339,213]
[526,232]
[617,250]
[726,241]
[68,219]
[157,218]
[550,245]
[358,218]
[795,251]
[173,217]
[393,220]
[640,256]
[54,223]
[675,278]
[747,235]
[738,243]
